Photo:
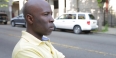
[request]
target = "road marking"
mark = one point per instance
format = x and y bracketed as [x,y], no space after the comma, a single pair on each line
[76,48]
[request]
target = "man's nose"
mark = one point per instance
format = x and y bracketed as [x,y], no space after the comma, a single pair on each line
[51,19]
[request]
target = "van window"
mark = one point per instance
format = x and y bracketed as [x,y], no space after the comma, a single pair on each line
[71,16]
[91,17]
[81,16]
[68,16]
[20,16]
[63,16]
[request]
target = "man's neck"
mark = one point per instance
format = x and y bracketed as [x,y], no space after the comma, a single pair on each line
[38,36]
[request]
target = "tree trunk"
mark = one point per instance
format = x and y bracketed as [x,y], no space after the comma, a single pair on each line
[100,19]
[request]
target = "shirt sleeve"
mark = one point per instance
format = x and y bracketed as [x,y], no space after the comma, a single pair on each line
[27,54]
[60,55]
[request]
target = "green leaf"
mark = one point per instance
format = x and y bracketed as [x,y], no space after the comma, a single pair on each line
[99,1]
[6,0]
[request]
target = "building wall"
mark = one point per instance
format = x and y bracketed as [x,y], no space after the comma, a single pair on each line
[88,6]
[64,6]
[15,9]
[71,5]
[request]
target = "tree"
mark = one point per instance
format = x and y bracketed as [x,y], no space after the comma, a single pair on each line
[4,3]
[100,21]
[101,3]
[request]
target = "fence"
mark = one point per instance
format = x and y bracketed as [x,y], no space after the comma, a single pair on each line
[110,17]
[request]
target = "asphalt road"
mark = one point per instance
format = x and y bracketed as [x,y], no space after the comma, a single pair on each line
[71,45]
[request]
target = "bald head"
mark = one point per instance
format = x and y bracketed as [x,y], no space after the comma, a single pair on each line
[32,6]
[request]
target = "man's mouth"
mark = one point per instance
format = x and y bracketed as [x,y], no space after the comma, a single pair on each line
[51,28]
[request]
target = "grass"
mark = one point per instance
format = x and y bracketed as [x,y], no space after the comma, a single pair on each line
[105,28]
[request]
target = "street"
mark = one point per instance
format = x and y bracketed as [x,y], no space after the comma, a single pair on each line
[70,44]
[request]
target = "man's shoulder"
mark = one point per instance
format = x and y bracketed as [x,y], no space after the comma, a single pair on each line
[22,44]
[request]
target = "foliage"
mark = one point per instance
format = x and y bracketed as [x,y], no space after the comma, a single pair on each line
[100,3]
[4,3]
[105,27]
[6,0]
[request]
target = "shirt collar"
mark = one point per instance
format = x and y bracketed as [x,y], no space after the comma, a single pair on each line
[30,38]
[44,38]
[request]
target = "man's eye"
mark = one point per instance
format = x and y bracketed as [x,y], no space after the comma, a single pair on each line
[46,14]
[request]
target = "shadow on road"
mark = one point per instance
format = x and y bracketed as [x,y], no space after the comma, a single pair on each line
[2,24]
[71,31]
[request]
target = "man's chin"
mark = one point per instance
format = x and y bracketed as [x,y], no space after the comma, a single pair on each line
[48,34]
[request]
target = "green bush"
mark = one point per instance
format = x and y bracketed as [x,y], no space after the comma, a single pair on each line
[105,28]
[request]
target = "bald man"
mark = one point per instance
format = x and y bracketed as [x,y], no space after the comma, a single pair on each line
[33,44]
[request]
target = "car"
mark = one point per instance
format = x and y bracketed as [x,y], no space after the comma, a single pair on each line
[19,20]
[3,18]
[77,22]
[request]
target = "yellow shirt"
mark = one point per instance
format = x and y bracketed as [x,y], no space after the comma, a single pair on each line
[31,47]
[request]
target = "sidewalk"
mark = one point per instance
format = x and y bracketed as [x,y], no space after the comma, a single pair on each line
[110,31]
[8,22]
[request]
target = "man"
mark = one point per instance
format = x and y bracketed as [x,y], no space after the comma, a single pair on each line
[33,44]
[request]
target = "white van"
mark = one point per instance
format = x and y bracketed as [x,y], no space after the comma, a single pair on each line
[77,22]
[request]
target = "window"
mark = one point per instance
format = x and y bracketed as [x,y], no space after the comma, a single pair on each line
[64,16]
[71,16]
[91,17]
[20,16]
[68,16]
[81,16]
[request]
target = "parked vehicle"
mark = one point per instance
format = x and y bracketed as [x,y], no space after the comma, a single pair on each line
[77,22]
[19,20]
[3,18]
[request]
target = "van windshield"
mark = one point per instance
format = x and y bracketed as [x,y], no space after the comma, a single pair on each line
[91,17]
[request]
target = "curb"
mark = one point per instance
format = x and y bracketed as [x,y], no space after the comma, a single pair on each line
[106,33]
[8,22]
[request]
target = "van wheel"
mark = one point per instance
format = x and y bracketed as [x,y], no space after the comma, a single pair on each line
[5,23]
[13,24]
[77,29]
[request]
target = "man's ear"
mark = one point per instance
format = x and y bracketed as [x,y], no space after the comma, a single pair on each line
[29,18]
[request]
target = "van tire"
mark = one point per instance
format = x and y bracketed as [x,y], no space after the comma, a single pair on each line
[77,29]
